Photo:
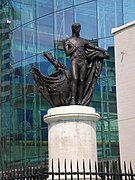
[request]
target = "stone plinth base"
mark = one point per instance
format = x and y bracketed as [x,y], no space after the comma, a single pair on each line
[72,137]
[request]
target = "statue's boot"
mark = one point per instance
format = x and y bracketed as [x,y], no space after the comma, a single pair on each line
[72,101]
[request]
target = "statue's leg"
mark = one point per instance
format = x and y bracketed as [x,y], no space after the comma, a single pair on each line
[74,81]
[82,75]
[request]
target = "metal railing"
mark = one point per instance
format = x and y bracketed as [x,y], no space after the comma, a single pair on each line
[104,171]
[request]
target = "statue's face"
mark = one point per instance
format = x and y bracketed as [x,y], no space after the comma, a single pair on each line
[76,28]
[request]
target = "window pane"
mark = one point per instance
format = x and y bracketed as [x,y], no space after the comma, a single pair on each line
[45,40]
[17,45]
[28,10]
[86,15]
[44,7]
[60,4]
[63,24]
[29,39]
[17,80]
[80,1]
[107,43]
[16,12]
[129,10]
[109,16]
[28,80]
[44,65]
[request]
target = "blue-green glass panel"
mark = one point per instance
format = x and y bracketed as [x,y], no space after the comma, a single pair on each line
[2,2]
[16,8]
[44,65]
[107,43]
[44,7]
[4,12]
[5,123]
[112,107]
[109,16]
[29,40]
[76,2]
[28,12]
[60,4]
[128,10]
[45,34]
[96,104]
[17,80]
[86,15]
[108,71]
[63,22]
[17,43]
[28,80]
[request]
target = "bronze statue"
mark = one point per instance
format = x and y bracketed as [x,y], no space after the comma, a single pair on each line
[75,86]
[76,48]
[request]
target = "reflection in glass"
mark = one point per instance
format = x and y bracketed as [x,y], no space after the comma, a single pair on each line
[129,11]
[17,45]
[60,4]
[17,80]
[109,16]
[44,7]
[63,22]
[15,13]
[28,12]
[76,2]
[86,15]
[29,39]
[45,34]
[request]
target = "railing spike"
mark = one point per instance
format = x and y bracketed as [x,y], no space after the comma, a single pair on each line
[77,170]
[119,166]
[71,165]
[84,169]
[77,166]
[95,167]
[131,169]
[107,166]
[125,169]
[59,168]
[58,165]
[102,167]
[65,166]
[83,165]
[90,169]
[89,165]
[52,166]
[52,170]
[96,170]
[71,169]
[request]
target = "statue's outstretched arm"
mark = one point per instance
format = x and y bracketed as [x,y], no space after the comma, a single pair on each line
[103,51]
[91,46]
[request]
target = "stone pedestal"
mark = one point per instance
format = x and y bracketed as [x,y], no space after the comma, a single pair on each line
[72,137]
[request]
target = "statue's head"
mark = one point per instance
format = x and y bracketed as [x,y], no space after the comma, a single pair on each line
[76,27]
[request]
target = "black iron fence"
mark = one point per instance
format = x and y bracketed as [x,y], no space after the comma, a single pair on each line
[104,170]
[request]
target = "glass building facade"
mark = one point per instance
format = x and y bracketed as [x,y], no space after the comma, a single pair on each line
[27,29]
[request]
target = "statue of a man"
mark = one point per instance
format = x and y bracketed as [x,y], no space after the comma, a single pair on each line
[77,85]
[76,48]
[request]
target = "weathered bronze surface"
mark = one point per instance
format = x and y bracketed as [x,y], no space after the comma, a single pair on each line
[75,86]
